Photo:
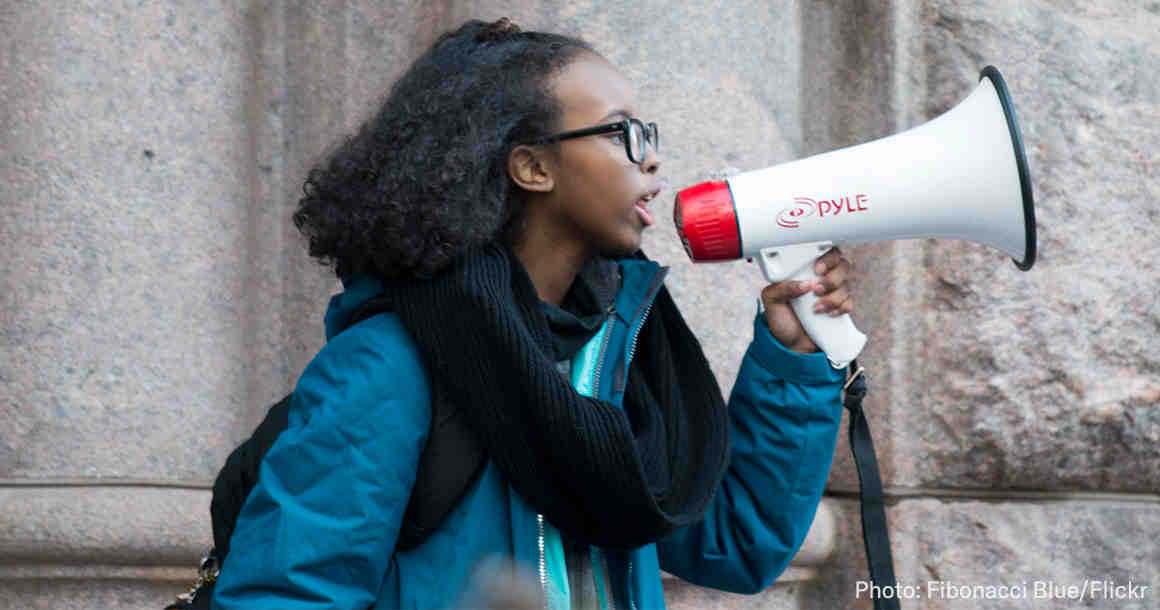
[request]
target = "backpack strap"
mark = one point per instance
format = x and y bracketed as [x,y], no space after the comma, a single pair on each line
[451,462]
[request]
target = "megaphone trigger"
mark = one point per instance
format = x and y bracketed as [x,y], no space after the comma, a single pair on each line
[786,262]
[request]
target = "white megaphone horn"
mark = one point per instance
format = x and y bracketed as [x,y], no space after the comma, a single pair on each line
[962,175]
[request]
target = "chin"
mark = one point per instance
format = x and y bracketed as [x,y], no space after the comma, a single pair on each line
[621,249]
[625,241]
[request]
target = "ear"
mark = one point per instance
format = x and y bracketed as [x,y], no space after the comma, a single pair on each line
[529,168]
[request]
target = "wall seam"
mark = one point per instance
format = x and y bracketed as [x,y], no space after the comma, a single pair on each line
[1021,496]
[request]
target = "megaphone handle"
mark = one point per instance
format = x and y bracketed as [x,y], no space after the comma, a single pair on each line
[835,335]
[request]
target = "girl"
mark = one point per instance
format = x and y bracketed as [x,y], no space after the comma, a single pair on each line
[497,200]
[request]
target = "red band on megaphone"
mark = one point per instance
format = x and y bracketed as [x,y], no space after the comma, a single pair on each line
[707,222]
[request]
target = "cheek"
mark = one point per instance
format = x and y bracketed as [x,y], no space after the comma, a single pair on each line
[600,187]
[601,181]
[612,175]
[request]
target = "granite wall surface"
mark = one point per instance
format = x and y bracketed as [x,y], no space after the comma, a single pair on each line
[155,296]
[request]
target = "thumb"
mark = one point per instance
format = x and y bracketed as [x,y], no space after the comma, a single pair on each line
[782,293]
[783,323]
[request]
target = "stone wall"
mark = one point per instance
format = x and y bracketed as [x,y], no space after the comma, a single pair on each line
[1017,413]
[155,296]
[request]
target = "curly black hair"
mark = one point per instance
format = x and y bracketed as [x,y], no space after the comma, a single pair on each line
[426,177]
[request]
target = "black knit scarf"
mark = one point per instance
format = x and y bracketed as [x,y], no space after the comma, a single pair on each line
[611,477]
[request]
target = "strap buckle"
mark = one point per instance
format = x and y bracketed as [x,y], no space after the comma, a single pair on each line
[855,375]
[207,573]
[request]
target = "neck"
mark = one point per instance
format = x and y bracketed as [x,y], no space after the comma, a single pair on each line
[552,264]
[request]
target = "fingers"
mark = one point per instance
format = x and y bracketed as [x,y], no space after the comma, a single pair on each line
[836,303]
[828,261]
[784,292]
[834,297]
[834,278]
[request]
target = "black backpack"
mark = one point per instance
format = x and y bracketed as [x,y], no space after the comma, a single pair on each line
[451,462]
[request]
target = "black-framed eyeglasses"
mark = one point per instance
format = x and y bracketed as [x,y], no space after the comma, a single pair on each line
[636,135]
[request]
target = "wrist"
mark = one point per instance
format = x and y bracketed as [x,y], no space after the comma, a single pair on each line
[799,342]
[774,356]
[804,347]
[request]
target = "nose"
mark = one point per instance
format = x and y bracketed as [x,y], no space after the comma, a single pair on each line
[652,160]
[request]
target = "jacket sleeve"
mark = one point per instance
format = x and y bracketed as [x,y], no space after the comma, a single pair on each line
[318,530]
[785,409]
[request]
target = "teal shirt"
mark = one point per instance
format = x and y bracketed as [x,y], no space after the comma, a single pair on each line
[319,528]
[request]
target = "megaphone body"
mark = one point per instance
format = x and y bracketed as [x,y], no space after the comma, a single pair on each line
[962,175]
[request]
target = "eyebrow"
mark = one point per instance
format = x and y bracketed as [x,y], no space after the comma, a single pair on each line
[618,112]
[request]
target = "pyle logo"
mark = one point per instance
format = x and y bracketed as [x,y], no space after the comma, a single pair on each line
[804,207]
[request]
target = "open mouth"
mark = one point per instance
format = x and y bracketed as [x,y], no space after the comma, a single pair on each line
[642,207]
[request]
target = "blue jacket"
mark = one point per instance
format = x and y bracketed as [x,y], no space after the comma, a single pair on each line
[319,528]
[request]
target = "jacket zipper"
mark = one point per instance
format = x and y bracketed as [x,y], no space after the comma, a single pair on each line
[608,579]
[543,561]
[603,352]
[628,586]
[653,289]
[636,336]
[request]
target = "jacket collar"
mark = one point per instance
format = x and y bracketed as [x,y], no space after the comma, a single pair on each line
[640,281]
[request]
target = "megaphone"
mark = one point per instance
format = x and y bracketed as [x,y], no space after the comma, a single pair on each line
[962,175]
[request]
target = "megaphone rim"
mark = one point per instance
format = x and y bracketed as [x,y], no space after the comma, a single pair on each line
[992,73]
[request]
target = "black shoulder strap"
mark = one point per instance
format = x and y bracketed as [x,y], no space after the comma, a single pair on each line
[874,531]
[450,463]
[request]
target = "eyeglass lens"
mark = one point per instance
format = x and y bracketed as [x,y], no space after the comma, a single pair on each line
[638,135]
[635,142]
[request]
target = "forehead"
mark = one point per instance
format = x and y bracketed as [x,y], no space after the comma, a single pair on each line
[589,89]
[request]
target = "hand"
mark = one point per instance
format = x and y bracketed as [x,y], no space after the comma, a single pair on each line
[834,299]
